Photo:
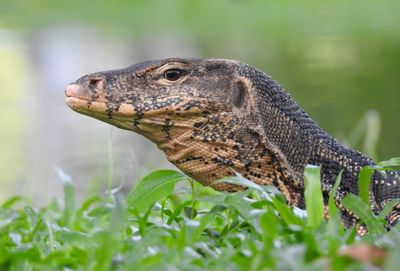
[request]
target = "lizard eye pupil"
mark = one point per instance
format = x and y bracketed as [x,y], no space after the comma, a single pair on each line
[173,74]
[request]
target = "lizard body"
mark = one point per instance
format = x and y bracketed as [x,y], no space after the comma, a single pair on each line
[215,117]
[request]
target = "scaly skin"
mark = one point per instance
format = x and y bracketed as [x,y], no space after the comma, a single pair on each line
[215,117]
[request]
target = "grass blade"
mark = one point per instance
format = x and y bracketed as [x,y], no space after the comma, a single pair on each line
[394,162]
[363,211]
[388,208]
[313,196]
[286,213]
[69,196]
[333,210]
[364,181]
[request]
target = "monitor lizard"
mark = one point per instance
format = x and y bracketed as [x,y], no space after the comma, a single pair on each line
[215,117]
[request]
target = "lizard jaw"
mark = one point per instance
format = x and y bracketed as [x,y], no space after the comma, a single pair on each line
[84,106]
[78,100]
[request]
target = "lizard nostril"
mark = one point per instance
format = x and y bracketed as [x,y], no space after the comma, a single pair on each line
[93,83]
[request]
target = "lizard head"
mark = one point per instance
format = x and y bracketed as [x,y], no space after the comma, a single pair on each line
[200,112]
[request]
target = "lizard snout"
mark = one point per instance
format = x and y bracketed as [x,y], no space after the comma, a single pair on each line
[83,93]
[73,90]
[76,95]
[90,89]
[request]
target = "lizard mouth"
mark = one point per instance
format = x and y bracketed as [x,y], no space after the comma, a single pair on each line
[85,106]
[122,115]
[98,109]
[74,97]
[76,103]
[78,99]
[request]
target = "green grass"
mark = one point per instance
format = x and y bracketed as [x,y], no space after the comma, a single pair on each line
[158,227]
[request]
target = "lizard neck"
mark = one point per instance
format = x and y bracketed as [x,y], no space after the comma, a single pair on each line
[297,140]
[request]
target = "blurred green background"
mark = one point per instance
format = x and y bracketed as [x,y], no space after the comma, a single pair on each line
[340,60]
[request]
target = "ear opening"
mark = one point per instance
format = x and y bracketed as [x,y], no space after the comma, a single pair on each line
[239,93]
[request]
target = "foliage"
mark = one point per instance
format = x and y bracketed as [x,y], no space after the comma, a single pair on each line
[190,228]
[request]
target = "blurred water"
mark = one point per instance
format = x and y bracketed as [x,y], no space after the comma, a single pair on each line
[51,135]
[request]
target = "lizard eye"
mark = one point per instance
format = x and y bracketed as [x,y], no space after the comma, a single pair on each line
[173,74]
[238,94]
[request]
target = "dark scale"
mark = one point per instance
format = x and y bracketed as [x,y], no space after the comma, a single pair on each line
[137,118]
[166,128]
[111,108]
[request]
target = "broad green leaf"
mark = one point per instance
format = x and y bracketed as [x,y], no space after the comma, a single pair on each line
[313,196]
[153,187]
